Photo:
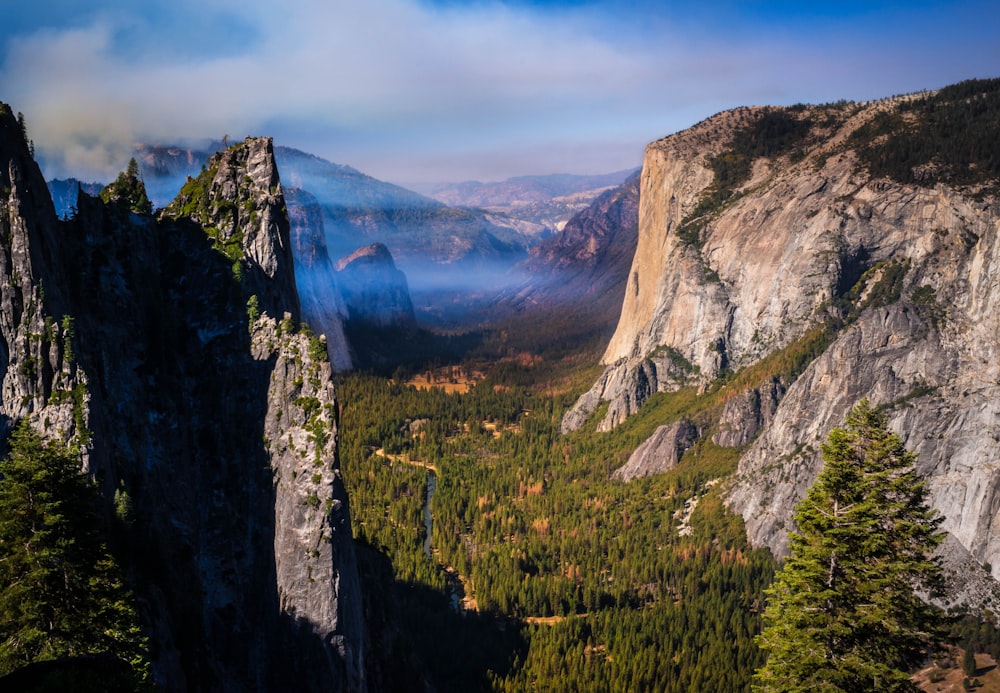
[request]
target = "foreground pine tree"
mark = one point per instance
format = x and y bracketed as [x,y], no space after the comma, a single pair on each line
[844,613]
[61,593]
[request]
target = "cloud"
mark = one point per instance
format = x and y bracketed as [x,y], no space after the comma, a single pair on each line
[407,90]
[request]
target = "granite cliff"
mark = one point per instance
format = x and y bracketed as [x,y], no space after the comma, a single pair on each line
[168,350]
[374,291]
[856,242]
[322,300]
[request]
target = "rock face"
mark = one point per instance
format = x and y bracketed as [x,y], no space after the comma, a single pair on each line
[576,279]
[167,350]
[746,415]
[660,452]
[899,274]
[374,291]
[322,302]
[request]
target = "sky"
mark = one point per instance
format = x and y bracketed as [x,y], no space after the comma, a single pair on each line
[423,91]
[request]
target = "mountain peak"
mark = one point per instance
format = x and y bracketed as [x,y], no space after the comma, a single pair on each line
[374,254]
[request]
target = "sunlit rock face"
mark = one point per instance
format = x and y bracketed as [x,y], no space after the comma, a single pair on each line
[780,258]
[660,452]
[205,413]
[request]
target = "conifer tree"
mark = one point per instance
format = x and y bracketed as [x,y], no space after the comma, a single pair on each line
[129,190]
[61,594]
[844,612]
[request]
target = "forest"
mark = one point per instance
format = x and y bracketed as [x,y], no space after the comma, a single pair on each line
[577,583]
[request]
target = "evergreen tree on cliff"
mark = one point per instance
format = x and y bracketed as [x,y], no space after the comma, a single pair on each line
[61,593]
[129,190]
[844,613]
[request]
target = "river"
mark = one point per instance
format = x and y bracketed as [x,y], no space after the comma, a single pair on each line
[428,519]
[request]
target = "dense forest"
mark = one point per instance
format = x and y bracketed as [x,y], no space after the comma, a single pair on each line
[506,558]
[572,581]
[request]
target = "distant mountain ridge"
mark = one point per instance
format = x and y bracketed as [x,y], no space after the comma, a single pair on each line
[525,189]
[434,244]
[65,191]
[539,206]
[577,278]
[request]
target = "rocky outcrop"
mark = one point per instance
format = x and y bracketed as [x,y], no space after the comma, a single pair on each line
[660,452]
[323,305]
[900,274]
[747,414]
[209,413]
[627,386]
[315,567]
[374,291]
[239,203]
[40,379]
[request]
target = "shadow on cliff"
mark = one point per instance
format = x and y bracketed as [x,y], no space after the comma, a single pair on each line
[419,642]
[177,409]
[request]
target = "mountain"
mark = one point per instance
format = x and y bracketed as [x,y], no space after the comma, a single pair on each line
[64,192]
[537,205]
[791,261]
[438,247]
[166,350]
[165,167]
[375,291]
[323,306]
[572,284]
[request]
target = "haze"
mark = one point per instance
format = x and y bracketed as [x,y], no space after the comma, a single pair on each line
[415,92]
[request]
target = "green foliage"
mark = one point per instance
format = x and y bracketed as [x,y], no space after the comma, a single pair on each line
[677,360]
[775,132]
[969,662]
[61,592]
[843,613]
[253,309]
[528,524]
[317,348]
[128,190]
[950,136]
[69,333]
[22,125]
[889,286]
[195,199]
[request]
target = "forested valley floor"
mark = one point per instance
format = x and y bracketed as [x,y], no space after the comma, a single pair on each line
[500,555]
[540,572]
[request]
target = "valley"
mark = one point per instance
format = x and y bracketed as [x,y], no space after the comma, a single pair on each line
[440,453]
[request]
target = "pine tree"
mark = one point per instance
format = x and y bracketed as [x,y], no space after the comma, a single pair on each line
[129,190]
[969,660]
[61,594]
[844,612]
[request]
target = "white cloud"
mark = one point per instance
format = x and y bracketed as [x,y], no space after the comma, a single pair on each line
[404,90]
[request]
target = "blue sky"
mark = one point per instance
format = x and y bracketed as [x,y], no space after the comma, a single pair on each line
[419,91]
